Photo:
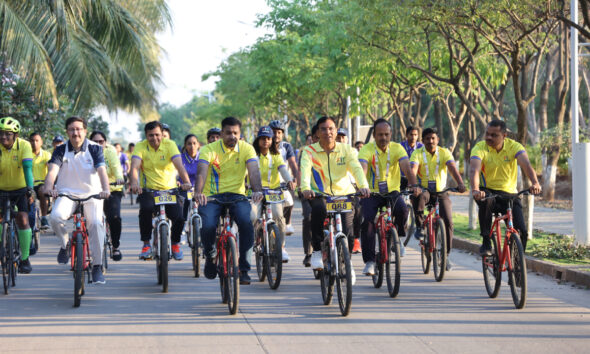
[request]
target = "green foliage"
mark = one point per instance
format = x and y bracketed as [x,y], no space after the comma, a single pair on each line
[555,246]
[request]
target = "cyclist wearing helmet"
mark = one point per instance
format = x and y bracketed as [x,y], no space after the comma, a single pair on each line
[288,154]
[165,131]
[213,135]
[57,141]
[16,171]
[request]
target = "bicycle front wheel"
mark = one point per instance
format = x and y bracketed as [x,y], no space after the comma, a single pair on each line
[492,273]
[393,266]
[105,254]
[425,257]
[379,260]
[517,277]
[164,253]
[196,247]
[78,268]
[410,224]
[344,277]
[274,261]
[259,251]
[232,281]
[439,253]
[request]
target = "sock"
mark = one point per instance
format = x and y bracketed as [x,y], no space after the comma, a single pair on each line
[24,238]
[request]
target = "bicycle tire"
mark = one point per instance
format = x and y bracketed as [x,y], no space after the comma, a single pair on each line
[105,258]
[260,250]
[232,281]
[393,276]
[410,224]
[5,259]
[196,248]
[517,273]
[344,278]
[379,262]
[425,257]
[164,253]
[492,275]
[14,254]
[36,240]
[274,259]
[156,255]
[316,274]
[439,253]
[78,250]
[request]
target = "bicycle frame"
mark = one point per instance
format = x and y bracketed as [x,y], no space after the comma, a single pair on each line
[429,222]
[193,214]
[222,241]
[79,227]
[504,252]
[157,221]
[333,219]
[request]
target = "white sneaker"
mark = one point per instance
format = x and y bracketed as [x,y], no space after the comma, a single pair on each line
[289,230]
[316,260]
[183,238]
[402,249]
[353,275]
[369,269]
[286,257]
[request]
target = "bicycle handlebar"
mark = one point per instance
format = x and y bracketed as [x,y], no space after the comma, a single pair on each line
[491,195]
[319,194]
[95,196]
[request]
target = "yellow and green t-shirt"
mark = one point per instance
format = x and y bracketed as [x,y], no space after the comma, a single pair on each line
[114,170]
[499,170]
[444,158]
[377,160]
[227,167]
[12,176]
[40,166]
[263,162]
[157,170]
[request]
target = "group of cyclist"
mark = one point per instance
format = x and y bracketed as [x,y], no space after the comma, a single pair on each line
[227,169]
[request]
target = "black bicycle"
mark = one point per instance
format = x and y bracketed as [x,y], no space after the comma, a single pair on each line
[9,249]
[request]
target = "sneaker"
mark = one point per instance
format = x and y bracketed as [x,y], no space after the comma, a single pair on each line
[307,260]
[352,276]
[117,256]
[449,264]
[486,247]
[316,260]
[62,256]
[402,249]
[97,277]
[183,238]
[176,252]
[44,223]
[210,268]
[356,248]
[146,252]
[289,230]
[24,266]
[369,269]
[286,257]
[244,278]
[418,235]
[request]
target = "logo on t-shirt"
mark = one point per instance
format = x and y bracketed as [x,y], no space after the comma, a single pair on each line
[506,159]
[340,161]
[162,158]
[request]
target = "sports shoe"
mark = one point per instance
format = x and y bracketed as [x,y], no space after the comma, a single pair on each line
[244,278]
[44,223]
[285,257]
[369,269]
[402,249]
[307,260]
[316,260]
[62,256]
[418,235]
[117,256]
[210,268]
[289,230]
[352,275]
[486,247]
[24,266]
[146,252]
[176,252]
[97,277]
[356,248]
[449,264]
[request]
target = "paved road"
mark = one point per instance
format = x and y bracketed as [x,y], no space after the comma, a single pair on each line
[130,314]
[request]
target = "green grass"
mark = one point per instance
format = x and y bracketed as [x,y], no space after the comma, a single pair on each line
[544,245]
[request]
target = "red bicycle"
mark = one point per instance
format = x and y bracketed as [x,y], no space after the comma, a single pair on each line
[433,249]
[509,258]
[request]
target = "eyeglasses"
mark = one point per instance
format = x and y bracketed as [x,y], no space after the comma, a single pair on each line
[75,130]
[6,133]
[99,141]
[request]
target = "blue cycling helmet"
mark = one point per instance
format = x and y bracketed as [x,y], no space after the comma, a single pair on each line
[277,124]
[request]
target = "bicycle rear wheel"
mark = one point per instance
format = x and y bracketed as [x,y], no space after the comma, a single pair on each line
[232,281]
[425,256]
[105,253]
[492,274]
[78,250]
[379,260]
[517,273]
[393,275]
[5,259]
[260,249]
[164,256]
[36,240]
[196,248]
[410,224]
[274,261]
[439,253]
[344,277]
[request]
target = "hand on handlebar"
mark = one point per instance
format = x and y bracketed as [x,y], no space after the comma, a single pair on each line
[308,194]
[104,194]
[535,189]
[365,192]
[478,195]
[257,197]
[51,192]
[416,190]
[201,199]
[461,188]
[186,186]
[291,185]
[135,188]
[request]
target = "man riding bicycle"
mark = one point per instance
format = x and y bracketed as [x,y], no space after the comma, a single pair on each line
[221,173]
[16,174]
[382,161]
[324,168]
[80,170]
[430,164]
[40,159]
[159,159]
[494,162]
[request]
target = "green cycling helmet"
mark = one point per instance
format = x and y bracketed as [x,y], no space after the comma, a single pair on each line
[10,124]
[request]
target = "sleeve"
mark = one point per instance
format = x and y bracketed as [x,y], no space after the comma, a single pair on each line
[28,172]
[284,171]
[400,154]
[250,153]
[366,154]
[137,153]
[173,149]
[290,151]
[115,163]
[355,168]
[205,155]
[278,161]
[446,157]
[478,152]
[97,155]
[58,155]
[305,170]
[518,149]
[27,151]
[415,158]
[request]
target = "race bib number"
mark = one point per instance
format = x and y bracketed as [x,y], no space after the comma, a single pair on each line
[272,196]
[383,188]
[164,198]
[432,186]
[338,205]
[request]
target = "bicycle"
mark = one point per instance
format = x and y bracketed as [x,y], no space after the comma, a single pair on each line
[161,248]
[107,250]
[268,242]
[435,240]
[9,249]
[194,230]
[509,258]
[411,222]
[335,254]
[226,243]
[388,246]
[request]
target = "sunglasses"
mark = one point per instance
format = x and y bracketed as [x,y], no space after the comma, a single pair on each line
[99,141]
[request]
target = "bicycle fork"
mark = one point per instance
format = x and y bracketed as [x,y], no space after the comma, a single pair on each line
[157,222]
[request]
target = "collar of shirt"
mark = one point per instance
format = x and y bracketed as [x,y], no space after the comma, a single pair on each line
[189,159]
[82,148]
[224,147]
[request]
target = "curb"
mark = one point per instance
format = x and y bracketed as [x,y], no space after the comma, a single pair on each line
[556,271]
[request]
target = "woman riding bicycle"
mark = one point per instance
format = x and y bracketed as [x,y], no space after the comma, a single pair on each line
[190,156]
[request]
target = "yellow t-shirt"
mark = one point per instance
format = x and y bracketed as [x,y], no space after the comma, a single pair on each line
[377,160]
[227,167]
[40,166]
[12,176]
[114,169]
[444,157]
[157,170]
[328,173]
[263,163]
[499,170]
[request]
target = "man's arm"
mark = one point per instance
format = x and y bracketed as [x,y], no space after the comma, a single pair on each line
[133,175]
[52,171]
[202,169]
[408,170]
[255,181]
[525,164]
[456,175]
[474,170]
[104,181]
[293,164]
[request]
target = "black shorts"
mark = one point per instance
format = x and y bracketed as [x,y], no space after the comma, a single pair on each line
[20,201]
